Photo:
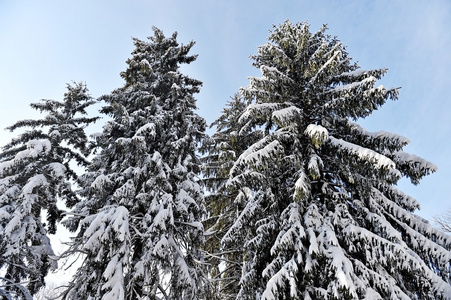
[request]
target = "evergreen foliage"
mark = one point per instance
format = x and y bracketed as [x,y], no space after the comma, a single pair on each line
[222,150]
[299,201]
[140,229]
[319,215]
[35,176]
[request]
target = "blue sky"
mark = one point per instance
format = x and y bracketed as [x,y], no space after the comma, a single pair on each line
[46,44]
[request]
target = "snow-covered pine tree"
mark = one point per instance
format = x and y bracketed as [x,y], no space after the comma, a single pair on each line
[35,175]
[324,218]
[222,150]
[139,226]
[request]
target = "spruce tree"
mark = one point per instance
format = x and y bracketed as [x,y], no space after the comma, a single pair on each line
[35,176]
[139,226]
[322,217]
[222,150]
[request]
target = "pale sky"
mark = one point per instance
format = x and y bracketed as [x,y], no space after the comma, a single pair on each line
[46,44]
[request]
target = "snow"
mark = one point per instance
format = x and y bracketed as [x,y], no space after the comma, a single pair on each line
[270,150]
[8,191]
[68,127]
[258,109]
[33,182]
[36,147]
[256,155]
[139,269]
[317,133]
[96,135]
[302,186]
[161,248]
[111,268]
[184,271]
[55,134]
[415,161]
[371,294]
[273,283]
[115,280]
[120,223]
[58,169]
[110,222]
[335,56]
[286,116]
[123,141]
[5,166]
[381,135]
[160,218]
[13,224]
[355,73]
[274,73]
[100,182]
[293,235]
[4,214]
[248,211]
[192,186]
[355,85]
[379,160]
[198,225]
[313,247]
[147,129]
[314,166]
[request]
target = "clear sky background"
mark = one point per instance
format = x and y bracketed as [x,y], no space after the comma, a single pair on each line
[46,44]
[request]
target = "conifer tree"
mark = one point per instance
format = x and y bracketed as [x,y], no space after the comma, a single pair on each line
[139,224]
[35,175]
[222,150]
[322,217]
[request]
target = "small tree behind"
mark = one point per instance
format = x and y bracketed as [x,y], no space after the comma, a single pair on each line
[443,221]
[222,150]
